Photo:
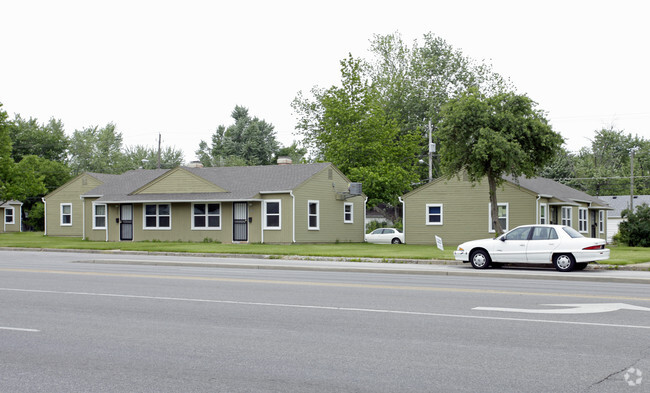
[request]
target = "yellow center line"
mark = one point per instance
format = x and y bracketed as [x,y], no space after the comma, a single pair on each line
[328,284]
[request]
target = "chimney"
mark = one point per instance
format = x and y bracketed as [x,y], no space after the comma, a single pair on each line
[283,160]
[195,164]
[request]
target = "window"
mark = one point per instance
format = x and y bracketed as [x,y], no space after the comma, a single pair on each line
[206,216]
[272,218]
[601,221]
[583,220]
[99,217]
[66,214]
[157,216]
[9,215]
[567,211]
[502,212]
[348,216]
[572,232]
[518,234]
[544,233]
[542,213]
[434,214]
[312,215]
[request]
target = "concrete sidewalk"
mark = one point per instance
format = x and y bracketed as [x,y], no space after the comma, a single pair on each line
[604,273]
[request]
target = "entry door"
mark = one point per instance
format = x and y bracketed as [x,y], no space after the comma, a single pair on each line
[594,224]
[126,222]
[240,222]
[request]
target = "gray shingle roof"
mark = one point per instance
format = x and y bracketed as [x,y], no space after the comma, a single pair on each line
[621,202]
[242,183]
[558,190]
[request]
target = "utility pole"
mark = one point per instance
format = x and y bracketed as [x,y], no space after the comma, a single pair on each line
[632,150]
[432,149]
[158,166]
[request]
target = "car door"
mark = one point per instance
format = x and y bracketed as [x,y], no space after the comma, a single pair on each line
[543,241]
[387,235]
[511,247]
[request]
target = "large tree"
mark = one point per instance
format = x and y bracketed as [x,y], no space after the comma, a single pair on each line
[96,149]
[492,136]
[350,127]
[146,157]
[47,141]
[249,141]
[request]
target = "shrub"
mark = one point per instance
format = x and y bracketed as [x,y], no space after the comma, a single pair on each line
[634,230]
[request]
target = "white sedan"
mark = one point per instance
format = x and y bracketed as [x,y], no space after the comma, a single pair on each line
[562,246]
[385,235]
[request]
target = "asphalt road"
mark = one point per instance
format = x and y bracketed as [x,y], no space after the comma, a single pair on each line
[71,326]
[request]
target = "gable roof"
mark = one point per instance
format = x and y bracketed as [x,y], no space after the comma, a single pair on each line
[240,183]
[618,203]
[544,186]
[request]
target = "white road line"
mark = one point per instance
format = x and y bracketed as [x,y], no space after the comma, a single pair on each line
[19,329]
[329,308]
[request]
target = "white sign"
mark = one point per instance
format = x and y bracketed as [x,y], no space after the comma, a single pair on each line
[439,243]
[588,308]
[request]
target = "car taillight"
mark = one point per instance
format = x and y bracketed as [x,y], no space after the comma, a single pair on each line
[598,247]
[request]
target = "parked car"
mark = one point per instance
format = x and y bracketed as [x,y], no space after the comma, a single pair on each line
[564,247]
[385,235]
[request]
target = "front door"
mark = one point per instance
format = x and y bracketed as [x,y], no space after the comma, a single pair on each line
[594,224]
[126,222]
[240,222]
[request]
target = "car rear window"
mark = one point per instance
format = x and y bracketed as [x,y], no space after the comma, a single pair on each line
[572,232]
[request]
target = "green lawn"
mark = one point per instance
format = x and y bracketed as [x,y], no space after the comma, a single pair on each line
[620,255]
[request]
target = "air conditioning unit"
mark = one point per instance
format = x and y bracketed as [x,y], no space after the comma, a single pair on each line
[355,189]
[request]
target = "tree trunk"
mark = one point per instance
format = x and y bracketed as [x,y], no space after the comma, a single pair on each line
[494,206]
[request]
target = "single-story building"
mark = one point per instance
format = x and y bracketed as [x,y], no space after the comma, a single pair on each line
[11,213]
[308,203]
[457,211]
[618,203]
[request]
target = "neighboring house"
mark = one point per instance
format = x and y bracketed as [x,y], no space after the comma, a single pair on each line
[458,211]
[310,203]
[618,203]
[11,213]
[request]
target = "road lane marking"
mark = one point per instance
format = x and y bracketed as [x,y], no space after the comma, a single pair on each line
[19,329]
[588,308]
[326,284]
[328,308]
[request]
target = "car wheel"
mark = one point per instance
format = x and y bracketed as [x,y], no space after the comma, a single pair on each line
[480,259]
[581,265]
[564,262]
[396,241]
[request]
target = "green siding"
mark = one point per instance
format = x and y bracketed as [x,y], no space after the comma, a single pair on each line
[15,227]
[285,234]
[68,193]
[179,181]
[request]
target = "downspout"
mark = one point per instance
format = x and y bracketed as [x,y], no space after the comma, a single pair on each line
[403,217]
[83,218]
[262,220]
[44,216]
[20,220]
[537,209]
[365,202]
[107,220]
[293,217]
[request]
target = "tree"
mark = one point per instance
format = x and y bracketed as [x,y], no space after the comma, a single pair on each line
[349,127]
[146,157]
[44,140]
[95,149]
[297,154]
[249,141]
[493,136]
[634,230]
[54,173]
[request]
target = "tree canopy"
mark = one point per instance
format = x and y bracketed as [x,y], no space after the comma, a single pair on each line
[47,141]
[492,136]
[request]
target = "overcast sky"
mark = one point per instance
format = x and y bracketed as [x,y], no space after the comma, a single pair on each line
[179,67]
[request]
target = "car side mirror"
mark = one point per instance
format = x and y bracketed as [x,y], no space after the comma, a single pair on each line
[502,238]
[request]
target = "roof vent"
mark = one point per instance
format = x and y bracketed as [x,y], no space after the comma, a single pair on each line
[195,164]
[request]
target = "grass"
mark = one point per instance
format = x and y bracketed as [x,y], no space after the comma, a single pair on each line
[620,255]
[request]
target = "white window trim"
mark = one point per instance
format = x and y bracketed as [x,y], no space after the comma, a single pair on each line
[426,215]
[351,220]
[583,218]
[206,215]
[156,228]
[543,207]
[569,220]
[601,221]
[61,215]
[13,215]
[507,205]
[105,215]
[279,227]
[317,227]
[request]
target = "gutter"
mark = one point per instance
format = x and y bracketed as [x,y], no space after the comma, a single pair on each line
[539,196]
[403,217]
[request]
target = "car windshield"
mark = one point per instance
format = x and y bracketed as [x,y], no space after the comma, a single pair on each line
[572,232]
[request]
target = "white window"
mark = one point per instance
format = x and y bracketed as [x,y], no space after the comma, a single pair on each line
[272,214]
[502,212]
[9,215]
[434,214]
[206,216]
[99,216]
[157,216]
[567,212]
[348,213]
[312,216]
[601,221]
[542,213]
[66,214]
[583,220]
